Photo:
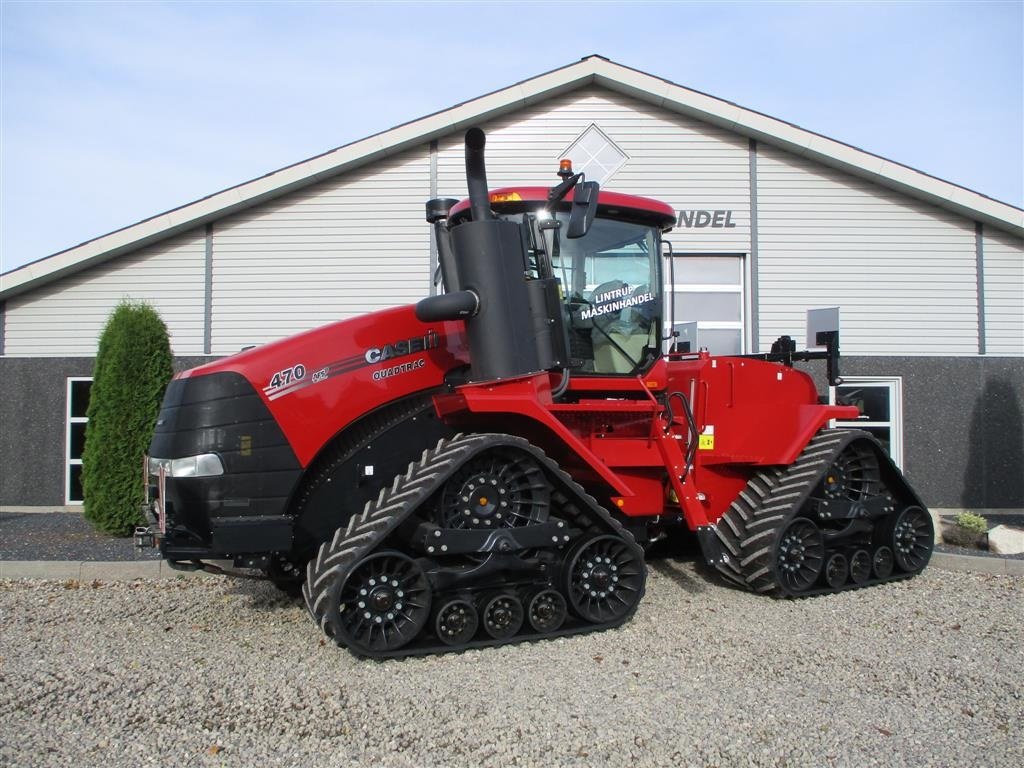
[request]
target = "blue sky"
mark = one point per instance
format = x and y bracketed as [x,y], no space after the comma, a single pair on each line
[113,112]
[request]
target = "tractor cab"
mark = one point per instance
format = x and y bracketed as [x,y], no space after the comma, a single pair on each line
[603,253]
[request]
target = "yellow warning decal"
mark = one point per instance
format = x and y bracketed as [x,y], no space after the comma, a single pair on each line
[505,197]
[706,443]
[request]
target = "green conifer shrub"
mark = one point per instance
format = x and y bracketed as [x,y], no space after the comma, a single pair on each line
[133,367]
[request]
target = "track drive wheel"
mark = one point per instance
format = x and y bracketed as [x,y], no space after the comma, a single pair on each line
[853,475]
[501,488]
[912,537]
[383,603]
[800,555]
[604,581]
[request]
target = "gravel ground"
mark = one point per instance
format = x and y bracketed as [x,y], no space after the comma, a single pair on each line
[209,672]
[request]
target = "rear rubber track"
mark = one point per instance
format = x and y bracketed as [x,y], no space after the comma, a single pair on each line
[751,527]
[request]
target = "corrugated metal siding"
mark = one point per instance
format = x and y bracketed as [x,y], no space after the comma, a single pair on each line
[1004,293]
[903,272]
[66,317]
[341,248]
[687,164]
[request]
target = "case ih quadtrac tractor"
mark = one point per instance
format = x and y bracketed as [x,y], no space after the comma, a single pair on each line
[488,465]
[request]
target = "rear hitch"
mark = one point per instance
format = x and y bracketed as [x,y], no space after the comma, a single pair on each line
[144,537]
[191,566]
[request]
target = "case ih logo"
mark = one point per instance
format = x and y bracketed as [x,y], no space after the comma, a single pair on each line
[404,347]
[700,219]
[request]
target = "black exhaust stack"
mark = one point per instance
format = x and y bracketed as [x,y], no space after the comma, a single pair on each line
[510,320]
[476,176]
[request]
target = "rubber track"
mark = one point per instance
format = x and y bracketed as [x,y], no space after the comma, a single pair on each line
[336,558]
[750,528]
[731,529]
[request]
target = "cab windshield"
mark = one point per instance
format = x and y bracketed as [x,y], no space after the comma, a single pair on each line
[610,285]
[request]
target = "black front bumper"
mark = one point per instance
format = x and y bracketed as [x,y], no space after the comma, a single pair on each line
[244,510]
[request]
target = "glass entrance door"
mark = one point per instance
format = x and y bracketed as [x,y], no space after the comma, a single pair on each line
[708,291]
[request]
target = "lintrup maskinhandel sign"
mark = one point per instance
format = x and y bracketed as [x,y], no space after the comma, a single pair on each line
[701,219]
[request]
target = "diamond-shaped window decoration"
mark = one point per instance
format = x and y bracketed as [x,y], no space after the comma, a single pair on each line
[595,155]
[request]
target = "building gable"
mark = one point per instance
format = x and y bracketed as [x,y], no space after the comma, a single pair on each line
[592,70]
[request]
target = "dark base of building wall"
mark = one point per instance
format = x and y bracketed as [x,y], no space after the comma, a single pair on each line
[33,424]
[963,426]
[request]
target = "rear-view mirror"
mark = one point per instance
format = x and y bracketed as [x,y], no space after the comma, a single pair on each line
[584,209]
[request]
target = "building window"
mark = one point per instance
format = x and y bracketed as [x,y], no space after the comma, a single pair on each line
[709,290]
[880,400]
[595,155]
[76,419]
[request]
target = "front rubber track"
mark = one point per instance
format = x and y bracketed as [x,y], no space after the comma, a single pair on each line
[336,558]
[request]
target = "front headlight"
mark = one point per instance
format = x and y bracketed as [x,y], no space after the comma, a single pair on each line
[204,465]
[155,464]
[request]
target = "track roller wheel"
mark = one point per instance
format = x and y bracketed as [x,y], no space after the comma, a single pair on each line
[800,554]
[836,570]
[603,579]
[547,610]
[882,562]
[384,602]
[502,616]
[456,621]
[860,566]
[913,537]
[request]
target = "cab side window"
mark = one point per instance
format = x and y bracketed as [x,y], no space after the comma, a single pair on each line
[610,285]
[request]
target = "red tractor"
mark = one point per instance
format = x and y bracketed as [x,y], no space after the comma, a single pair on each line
[488,465]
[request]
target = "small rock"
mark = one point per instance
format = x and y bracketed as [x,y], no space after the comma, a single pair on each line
[1006,540]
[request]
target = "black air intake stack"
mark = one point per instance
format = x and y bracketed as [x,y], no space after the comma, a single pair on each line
[490,262]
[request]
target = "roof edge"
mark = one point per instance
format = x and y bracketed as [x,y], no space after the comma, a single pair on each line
[255,191]
[590,69]
[806,143]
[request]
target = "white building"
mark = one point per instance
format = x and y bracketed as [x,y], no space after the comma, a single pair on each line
[774,220]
